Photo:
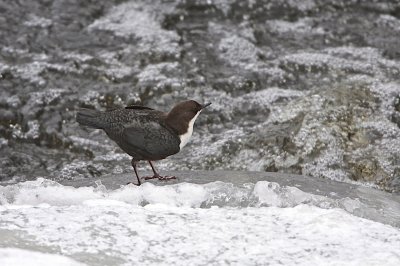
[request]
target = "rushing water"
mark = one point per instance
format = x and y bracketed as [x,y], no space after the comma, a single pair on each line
[301,87]
[304,87]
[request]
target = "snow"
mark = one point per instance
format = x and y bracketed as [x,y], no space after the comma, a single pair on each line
[189,224]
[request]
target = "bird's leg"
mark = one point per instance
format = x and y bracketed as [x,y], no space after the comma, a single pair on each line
[133,162]
[156,175]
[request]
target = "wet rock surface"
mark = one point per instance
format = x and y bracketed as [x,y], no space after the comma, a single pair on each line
[307,88]
[234,188]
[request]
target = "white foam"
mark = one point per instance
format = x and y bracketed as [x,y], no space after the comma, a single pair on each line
[42,191]
[301,235]
[21,257]
[262,223]
[45,193]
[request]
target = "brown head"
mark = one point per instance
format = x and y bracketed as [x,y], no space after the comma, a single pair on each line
[182,114]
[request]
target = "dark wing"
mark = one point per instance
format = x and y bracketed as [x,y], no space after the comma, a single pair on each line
[151,141]
[138,107]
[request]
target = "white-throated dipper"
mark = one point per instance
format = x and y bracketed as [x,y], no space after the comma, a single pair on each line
[145,133]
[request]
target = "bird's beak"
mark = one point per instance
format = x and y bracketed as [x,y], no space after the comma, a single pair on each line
[205,105]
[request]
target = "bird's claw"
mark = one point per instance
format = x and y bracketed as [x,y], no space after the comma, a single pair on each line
[166,178]
[163,178]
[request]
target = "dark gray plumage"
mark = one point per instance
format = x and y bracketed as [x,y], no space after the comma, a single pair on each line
[145,133]
[141,133]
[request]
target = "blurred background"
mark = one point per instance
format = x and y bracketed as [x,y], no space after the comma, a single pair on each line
[307,87]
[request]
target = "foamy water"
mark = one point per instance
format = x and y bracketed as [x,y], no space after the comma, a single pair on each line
[189,224]
[16,256]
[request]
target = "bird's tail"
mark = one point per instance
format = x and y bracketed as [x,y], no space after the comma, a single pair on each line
[90,118]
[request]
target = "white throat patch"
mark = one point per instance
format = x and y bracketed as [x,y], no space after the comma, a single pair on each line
[186,137]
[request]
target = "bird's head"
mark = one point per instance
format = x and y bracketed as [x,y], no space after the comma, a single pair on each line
[183,114]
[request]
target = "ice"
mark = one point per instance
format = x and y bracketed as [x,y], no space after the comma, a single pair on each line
[16,256]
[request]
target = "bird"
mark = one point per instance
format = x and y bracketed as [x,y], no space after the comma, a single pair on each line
[145,133]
